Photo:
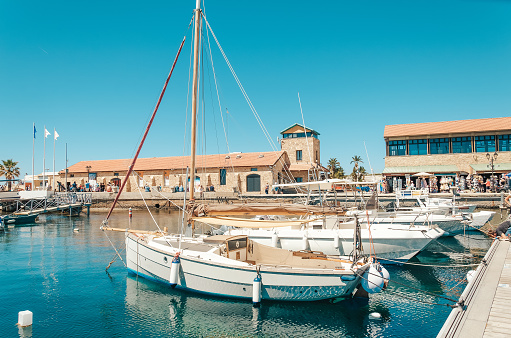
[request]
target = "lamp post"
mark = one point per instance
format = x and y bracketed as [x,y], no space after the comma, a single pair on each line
[88,170]
[491,158]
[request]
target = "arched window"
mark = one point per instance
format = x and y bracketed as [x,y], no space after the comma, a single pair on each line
[253,183]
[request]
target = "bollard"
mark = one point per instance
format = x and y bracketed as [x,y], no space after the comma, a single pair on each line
[25,318]
[130,213]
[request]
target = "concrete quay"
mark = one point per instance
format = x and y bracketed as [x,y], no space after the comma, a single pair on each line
[166,199]
[483,309]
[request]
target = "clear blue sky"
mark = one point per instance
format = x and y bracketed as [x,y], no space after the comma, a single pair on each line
[94,69]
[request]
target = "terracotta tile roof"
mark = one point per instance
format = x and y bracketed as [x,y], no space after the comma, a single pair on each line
[298,128]
[180,162]
[305,167]
[448,127]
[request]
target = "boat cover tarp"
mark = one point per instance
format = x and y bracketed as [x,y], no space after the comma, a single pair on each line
[199,209]
[248,223]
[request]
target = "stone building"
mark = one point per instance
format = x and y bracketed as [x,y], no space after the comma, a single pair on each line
[450,148]
[236,172]
[303,148]
[297,161]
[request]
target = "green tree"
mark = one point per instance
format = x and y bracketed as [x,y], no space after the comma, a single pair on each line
[336,171]
[9,170]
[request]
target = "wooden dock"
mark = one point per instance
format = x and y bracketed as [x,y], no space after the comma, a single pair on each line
[484,307]
[62,207]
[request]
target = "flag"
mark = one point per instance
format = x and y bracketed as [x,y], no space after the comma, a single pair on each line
[46,133]
[56,135]
[35,131]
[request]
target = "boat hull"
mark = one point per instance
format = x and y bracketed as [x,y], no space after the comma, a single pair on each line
[19,220]
[392,244]
[197,274]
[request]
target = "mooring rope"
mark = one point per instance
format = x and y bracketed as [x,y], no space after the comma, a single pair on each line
[416,289]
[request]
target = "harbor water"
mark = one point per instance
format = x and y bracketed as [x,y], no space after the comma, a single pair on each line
[56,269]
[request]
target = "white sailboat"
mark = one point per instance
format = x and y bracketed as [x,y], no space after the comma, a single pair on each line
[236,266]
[392,242]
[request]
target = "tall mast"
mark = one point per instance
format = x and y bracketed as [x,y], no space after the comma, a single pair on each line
[194,96]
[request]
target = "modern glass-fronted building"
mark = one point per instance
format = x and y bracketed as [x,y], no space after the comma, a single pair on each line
[449,148]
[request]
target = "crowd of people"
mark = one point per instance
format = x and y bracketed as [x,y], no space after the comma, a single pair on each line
[435,184]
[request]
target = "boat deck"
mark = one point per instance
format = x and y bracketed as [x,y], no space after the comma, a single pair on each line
[485,311]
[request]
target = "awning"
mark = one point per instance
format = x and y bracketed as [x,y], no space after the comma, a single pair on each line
[436,169]
[486,168]
[249,223]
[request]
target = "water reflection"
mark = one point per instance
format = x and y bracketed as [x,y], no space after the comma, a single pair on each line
[61,274]
[157,305]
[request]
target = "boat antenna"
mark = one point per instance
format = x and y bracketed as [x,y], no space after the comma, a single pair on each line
[306,139]
[369,161]
[132,165]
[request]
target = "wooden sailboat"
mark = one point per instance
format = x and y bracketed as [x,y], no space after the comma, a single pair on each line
[235,266]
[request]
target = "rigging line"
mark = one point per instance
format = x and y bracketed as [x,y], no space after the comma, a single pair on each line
[218,97]
[147,207]
[114,259]
[211,94]
[217,93]
[115,249]
[247,98]
[411,287]
[417,300]
[187,101]
[132,166]
[428,265]
[408,297]
[443,245]
[305,132]
[252,108]
[368,160]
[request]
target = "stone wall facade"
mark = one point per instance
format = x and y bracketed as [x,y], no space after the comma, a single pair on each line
[291,145]
[462,161]
[236,178]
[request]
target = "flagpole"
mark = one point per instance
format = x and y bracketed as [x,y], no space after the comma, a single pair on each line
[66,169]
[54,139]
[33,152]
[44,160]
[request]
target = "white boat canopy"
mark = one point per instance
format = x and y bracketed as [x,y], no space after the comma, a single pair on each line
[322,185]
[249,223]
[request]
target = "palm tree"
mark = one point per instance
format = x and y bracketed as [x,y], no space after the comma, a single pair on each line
[336,171]
[333,166]
[356,159]
[339,173]
[356,171]
[9,170]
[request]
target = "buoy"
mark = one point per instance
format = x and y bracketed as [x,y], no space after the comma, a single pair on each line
[375,315]
[336,241]
[386,276]
[256,291]
[470,275]
[305,242]
[25,318]
[274,240]
[174,270]
[372,280]
[130,213]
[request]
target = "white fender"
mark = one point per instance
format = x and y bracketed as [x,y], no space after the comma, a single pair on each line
[372,280]
[174,270]
[470,275]
[256,291]
[305,242]
[336,241]
[274,240]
